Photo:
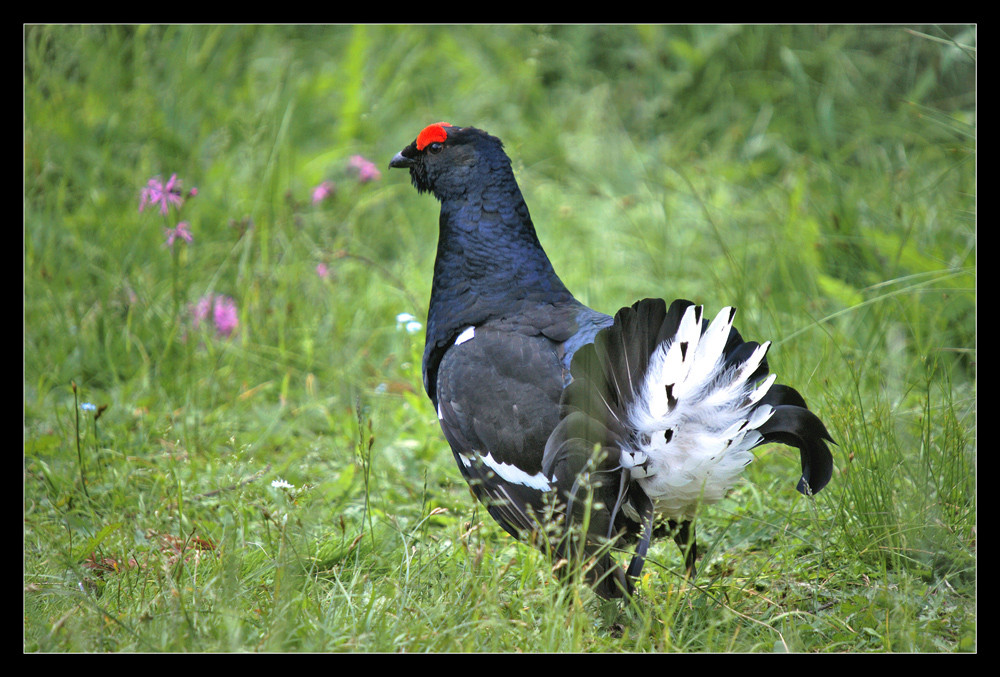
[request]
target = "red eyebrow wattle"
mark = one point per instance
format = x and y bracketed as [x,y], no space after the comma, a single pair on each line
[435,133]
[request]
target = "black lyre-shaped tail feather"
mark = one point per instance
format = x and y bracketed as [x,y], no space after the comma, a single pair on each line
[795,425]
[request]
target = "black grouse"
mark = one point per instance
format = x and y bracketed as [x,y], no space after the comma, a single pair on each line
[559,415]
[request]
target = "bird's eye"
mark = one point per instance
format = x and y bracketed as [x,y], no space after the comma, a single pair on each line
[435,148]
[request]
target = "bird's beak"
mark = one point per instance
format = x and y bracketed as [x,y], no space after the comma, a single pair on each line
[399,161]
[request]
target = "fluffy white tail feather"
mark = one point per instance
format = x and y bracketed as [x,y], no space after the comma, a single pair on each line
[697,416]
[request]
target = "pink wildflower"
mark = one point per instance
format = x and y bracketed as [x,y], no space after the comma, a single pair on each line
[225,315]
[182,231]
[323,191]
[222,309]
[164,195]
[199,311]
[322,271]
[367,171]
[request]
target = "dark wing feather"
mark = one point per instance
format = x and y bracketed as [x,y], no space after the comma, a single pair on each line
[498,395]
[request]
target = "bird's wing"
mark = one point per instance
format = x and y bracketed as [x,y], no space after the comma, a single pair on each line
[498,400]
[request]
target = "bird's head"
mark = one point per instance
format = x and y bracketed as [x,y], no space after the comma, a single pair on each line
[447,160]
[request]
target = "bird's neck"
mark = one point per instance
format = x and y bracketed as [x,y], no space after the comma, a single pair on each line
[489,260]
[489,267]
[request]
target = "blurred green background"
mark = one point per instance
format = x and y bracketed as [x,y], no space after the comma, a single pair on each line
[820,178]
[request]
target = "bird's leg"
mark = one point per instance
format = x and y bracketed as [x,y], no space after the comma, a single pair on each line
[684,537]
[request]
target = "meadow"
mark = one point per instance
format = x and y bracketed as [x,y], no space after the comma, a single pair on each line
[226,444]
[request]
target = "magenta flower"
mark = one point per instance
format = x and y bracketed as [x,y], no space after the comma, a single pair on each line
[163,194]
[182,231]
[199,311]
[323,191]
[224,315]
[367,171]
[222,310]
[322,271]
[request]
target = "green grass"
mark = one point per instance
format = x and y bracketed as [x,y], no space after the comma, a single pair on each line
[822,179]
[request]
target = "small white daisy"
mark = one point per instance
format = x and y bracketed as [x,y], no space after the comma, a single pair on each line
[409,323]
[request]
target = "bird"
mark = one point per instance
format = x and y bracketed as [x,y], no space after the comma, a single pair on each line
[583,433]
